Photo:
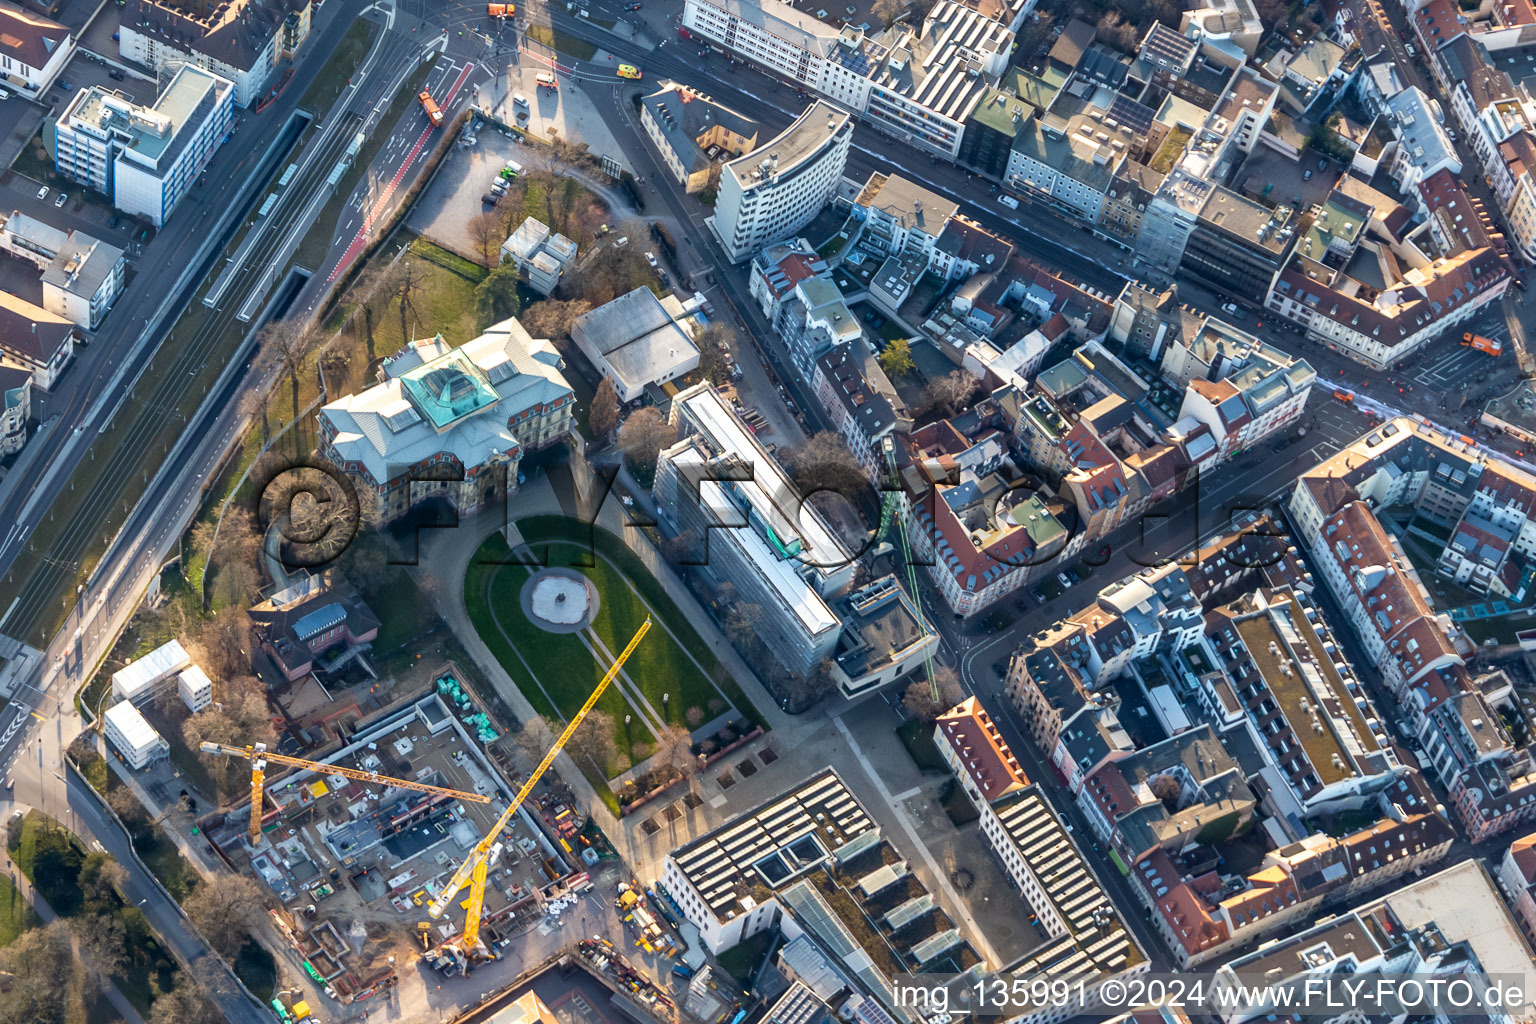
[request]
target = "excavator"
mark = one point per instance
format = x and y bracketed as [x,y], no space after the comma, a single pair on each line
[466,945]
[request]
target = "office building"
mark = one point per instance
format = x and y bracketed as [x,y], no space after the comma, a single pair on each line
[1238,245]
[135,740]
[33,50]
[137,680]
[774,191]
[636,342]
[82,276]
[145,158]
[540,255]
[241,41]
[448,421]
[752,528]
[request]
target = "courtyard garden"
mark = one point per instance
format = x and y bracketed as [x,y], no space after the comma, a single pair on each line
[672,681]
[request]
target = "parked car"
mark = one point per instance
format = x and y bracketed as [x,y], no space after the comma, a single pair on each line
[42,193]
[116,74]
[650,258]
[66,86]
[1008,201]
[60,201]
[622,240]
[1229,307]
[1064,580]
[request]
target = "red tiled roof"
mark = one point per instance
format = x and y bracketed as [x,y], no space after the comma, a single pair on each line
[976,743]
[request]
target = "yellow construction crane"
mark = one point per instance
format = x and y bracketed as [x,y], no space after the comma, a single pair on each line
[476,865]
[259,756]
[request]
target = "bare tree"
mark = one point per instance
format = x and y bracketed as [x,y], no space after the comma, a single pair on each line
[552,318]
[644,434]
[889,10]
[239,718]
[43,977]
[715,342]
[485,234]
[947,681]
[102,941]
[826,463]
[223,644]
[403,278]
[738,624]
[186,1002]
[917,700]
[603,415]
[952,392]
[594,740]
[225,911]
[128,809]
[676,748]
[534,739]
[694,716]
[287,345]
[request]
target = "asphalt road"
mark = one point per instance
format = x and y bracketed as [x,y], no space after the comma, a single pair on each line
[141,319]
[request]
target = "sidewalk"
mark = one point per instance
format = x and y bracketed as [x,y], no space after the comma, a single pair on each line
[45,914]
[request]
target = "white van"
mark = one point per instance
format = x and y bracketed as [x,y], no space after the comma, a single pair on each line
[519,100]
[515,167]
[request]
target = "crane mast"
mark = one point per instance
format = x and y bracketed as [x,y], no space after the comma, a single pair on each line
[259,757]
[474,868]
[889,513]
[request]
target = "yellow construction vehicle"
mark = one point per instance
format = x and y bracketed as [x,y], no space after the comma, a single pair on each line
[476,865]
[259,756]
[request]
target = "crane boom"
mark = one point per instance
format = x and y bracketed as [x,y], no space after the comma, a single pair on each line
[477,856]
[260,757]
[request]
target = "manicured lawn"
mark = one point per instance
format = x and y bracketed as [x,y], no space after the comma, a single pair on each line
[15,916]
[557,673]
[742,960]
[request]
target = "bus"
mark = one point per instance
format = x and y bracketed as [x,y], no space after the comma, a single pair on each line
[433,113]
[500,10]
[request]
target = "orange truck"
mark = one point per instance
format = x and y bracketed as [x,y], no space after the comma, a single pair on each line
[433,113]
[1492,346]
[500,10]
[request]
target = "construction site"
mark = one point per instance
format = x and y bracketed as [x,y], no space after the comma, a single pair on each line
[357,846]
[411,811]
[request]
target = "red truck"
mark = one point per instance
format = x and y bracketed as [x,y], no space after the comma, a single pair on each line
[433,113]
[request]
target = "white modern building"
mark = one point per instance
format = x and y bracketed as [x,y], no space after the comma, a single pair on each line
[242,41]
[635,341]
[753,528]
[82,276]
[195,688]
[33,49]
[540,255]
[774,191]
[136,681]
[135,739]
[145,159]
[449,422]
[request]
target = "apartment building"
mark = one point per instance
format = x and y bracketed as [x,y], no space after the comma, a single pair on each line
[770,194]
[1517,877]
[694,134]
[15,407]
[34,340]
[82,276]
[33,49]
[751,527]
[1449,923]
[241,41]
[778,269]
[449,421]
[145,158]
[861,403]
[970,743]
